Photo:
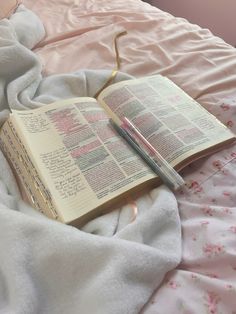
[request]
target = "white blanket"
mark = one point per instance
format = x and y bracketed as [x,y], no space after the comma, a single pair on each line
[111,265]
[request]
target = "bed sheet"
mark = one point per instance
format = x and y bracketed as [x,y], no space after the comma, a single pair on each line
[79,35]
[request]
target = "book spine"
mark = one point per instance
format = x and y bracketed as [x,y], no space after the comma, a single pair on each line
[32,182]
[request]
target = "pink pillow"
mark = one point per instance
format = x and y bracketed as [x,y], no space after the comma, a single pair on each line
[7,7]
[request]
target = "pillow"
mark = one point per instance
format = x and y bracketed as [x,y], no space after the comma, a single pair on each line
[7,7]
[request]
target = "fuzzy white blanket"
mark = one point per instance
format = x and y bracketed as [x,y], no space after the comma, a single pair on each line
[111,265]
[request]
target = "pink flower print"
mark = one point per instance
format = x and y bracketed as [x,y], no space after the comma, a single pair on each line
[227,210]
[194,238]
[212,250]
[208,211]
[181,192]
[233,154]
[225,172]
[230,124]
[196,186]
[212,275]
[225,193]
[204,223]
[217,164]
[173,284]
[228,286]
[193,276]
[233,229]
[212,302]
[225,107]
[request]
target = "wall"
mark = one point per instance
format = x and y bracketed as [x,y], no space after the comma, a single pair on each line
[217,15]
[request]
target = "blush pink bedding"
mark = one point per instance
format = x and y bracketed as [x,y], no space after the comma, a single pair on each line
[7,7]
[79,35]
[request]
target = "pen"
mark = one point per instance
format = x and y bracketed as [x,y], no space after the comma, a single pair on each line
[165,167]
[151,163]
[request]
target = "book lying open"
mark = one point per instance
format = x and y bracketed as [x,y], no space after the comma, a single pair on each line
[73,165]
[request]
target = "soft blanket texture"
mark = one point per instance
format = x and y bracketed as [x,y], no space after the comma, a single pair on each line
[205,67]
[112,265]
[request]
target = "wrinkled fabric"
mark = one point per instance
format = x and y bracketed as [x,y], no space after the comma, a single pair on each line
[205,67]
[112,265]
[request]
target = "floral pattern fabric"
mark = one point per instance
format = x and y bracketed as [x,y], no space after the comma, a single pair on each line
[205,281]
[204,67]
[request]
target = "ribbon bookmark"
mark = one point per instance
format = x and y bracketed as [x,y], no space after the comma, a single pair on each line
[118,63]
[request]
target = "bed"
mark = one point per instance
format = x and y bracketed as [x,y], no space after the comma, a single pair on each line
[45,268]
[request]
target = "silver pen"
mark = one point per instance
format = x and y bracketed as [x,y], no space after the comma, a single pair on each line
[150,162]
[164,166]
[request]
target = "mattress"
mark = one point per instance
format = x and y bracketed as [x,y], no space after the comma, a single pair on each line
[79,35]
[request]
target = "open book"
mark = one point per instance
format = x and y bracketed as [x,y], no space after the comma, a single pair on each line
[72,163]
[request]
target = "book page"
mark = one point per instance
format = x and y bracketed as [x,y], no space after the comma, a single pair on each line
[175,124]
[80,157]
[31,188]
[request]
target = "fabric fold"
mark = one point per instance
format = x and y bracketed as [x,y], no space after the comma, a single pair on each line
[112,265]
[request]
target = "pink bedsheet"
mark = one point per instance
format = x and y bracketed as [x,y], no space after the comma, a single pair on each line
[79,36]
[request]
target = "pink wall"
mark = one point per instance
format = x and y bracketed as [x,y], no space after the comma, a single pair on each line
[217,15]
